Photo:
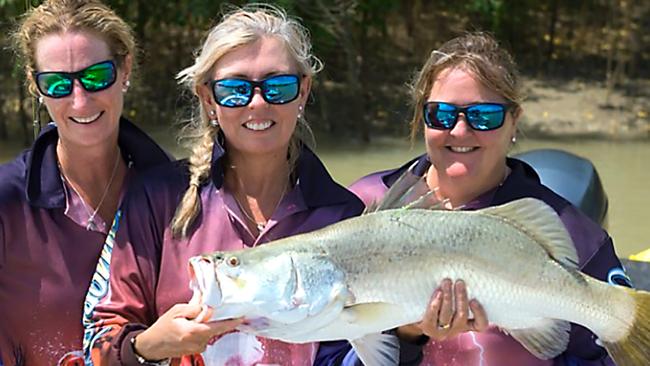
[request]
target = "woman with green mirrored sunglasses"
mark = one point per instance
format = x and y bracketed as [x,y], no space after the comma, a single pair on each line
[58,199]
[94,78]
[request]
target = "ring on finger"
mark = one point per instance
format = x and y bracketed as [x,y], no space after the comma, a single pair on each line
[444,326]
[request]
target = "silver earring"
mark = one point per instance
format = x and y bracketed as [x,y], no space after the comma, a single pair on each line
[213,119]
[40,99]
[299,111]
[126,86]
[513,139]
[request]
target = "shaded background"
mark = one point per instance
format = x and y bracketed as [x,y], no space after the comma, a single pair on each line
[371,49]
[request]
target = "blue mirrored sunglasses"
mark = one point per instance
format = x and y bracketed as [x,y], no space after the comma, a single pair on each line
[233,92]
[59,84]
[479,116]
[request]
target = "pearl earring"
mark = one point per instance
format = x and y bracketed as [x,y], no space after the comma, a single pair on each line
[126,86]
[213,119]
[300,112]
[513,139]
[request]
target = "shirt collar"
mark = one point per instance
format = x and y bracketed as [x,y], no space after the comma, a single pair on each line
[316,184]
[44,187]
[511,186]
[520,171]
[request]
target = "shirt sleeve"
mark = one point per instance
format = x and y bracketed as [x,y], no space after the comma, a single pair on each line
[129,304]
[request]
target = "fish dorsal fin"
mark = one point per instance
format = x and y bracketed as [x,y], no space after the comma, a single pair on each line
[546,341]
[540,222]
[409,191]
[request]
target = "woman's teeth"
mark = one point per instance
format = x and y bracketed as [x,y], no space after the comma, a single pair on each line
[92,118]
[258,126]
[461,149]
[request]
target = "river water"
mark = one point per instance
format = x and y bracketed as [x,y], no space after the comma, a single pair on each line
[623,166]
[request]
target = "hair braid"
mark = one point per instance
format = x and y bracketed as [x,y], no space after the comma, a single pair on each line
[199,169]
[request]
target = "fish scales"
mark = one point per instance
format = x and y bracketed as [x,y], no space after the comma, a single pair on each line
[426,257]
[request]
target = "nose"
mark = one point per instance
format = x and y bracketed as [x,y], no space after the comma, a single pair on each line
[257,100]
[462,126]
[79,95]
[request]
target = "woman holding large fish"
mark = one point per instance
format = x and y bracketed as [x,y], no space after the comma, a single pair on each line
[468,96]
[251,178]
[58,198]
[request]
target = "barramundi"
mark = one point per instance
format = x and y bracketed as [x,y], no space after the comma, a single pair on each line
[363,276]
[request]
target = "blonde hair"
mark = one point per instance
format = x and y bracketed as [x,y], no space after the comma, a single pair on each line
[60,16]
[239,27]
[478,53]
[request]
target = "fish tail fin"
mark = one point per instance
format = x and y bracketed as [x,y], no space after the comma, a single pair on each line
[634,347]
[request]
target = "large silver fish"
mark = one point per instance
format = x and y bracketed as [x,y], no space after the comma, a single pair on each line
[359,277]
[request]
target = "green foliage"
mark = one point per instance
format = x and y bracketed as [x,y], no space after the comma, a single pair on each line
[370,48]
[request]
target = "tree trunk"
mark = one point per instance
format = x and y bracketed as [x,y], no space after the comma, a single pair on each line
[23,118]
[552,26]
[4,135]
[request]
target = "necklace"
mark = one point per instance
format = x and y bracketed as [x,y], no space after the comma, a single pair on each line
[260,225]
[92,225]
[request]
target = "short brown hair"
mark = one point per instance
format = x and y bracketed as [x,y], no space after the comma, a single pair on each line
[60,16]
[478,53]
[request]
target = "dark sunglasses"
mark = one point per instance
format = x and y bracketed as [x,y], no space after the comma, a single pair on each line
[479,116]
[233,92]
[94,78]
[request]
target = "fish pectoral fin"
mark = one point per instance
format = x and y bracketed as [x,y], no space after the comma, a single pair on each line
[377,349]
[545,341]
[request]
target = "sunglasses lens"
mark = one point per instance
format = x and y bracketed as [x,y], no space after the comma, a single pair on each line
[98,77]
[281,89]
[54,85]
[441,116]
[486,117]
[232,92]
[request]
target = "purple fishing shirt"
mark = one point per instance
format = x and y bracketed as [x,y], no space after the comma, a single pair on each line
[149,271]
[494,348]
[47,256]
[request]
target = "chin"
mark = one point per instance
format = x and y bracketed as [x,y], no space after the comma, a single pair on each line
[458,170]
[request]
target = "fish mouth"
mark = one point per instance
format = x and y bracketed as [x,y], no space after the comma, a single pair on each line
[204,283]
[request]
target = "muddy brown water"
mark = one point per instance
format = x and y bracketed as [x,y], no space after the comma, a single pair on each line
[624,168]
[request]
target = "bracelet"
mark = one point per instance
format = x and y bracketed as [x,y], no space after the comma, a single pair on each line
[143,361]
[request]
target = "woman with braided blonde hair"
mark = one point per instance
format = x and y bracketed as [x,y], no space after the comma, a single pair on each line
[251,178]
[59,197]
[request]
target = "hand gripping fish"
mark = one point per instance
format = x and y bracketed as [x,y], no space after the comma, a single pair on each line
[372,273]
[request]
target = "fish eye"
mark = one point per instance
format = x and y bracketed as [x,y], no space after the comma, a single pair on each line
[233,261]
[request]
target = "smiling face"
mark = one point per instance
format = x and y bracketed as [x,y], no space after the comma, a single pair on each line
[259,127]
[83,118]
[467,162]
